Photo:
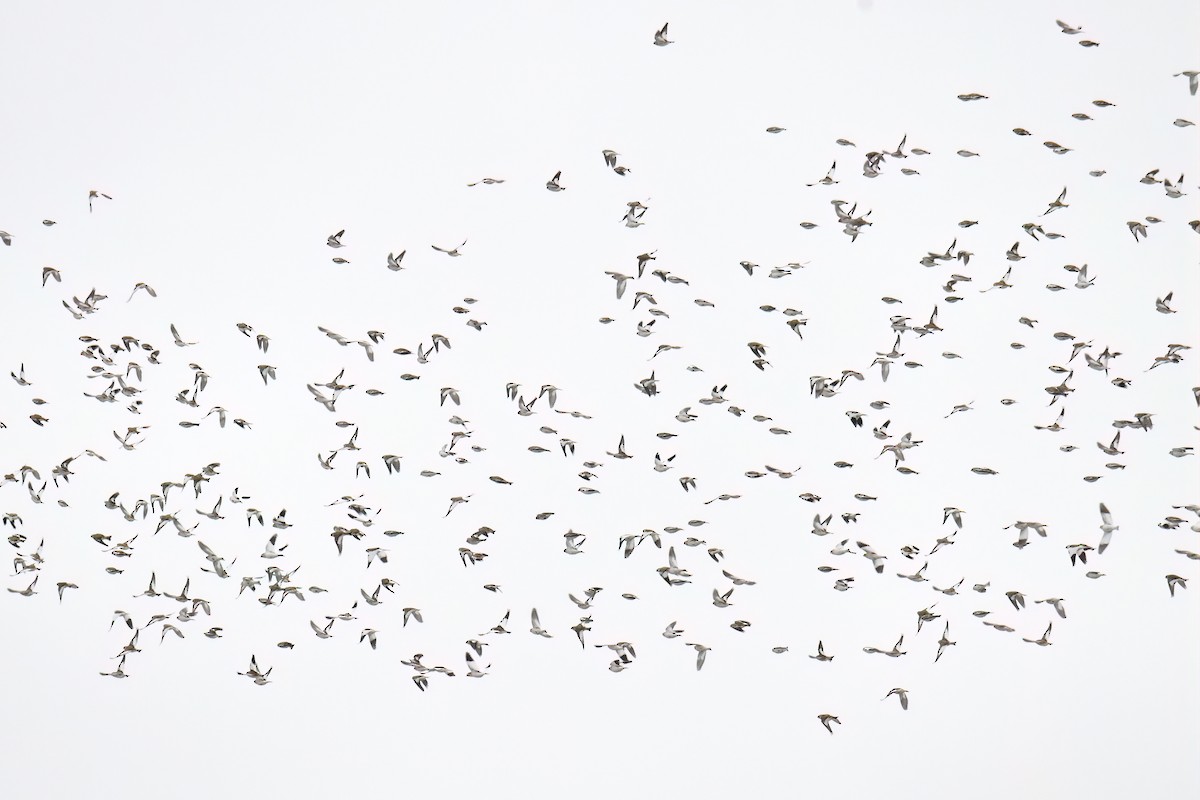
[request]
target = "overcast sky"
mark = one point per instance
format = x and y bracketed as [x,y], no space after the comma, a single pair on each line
[234,139]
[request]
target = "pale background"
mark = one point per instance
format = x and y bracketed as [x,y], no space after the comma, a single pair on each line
[235,137]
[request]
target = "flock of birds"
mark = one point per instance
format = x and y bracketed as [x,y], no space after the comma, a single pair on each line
[189,506]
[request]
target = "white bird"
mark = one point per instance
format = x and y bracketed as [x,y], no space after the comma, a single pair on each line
[92,195]
[473,670]
[119,672]
[660,37]
[902,694]
[270,551]
[944,642]
[28,591]
[701,654]
[19,377]
[179,342]
[537,629]
[453,253]
[622,283]
[895,652]
[147,288]
[256,674]
[1057,603]
[1081,278]
[1193,77]
[1042,642]
[1107,527]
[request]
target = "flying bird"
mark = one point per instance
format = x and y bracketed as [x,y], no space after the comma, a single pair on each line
[453,252]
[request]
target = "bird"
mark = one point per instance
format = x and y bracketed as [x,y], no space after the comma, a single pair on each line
[1106,527]
[944,642]
[1044,641]
[660,36]
[453,252]
[28,591]
[92,195]
[902,694]
[1193,77]
[119,672]
[1057,604]
[1078,552]
[828,180]
[179,342]
[821,656]
[825,719]
[140,286]
[701,654]
[1057,203]
[895,652]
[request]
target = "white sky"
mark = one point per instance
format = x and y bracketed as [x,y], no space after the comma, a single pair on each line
[235,138]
